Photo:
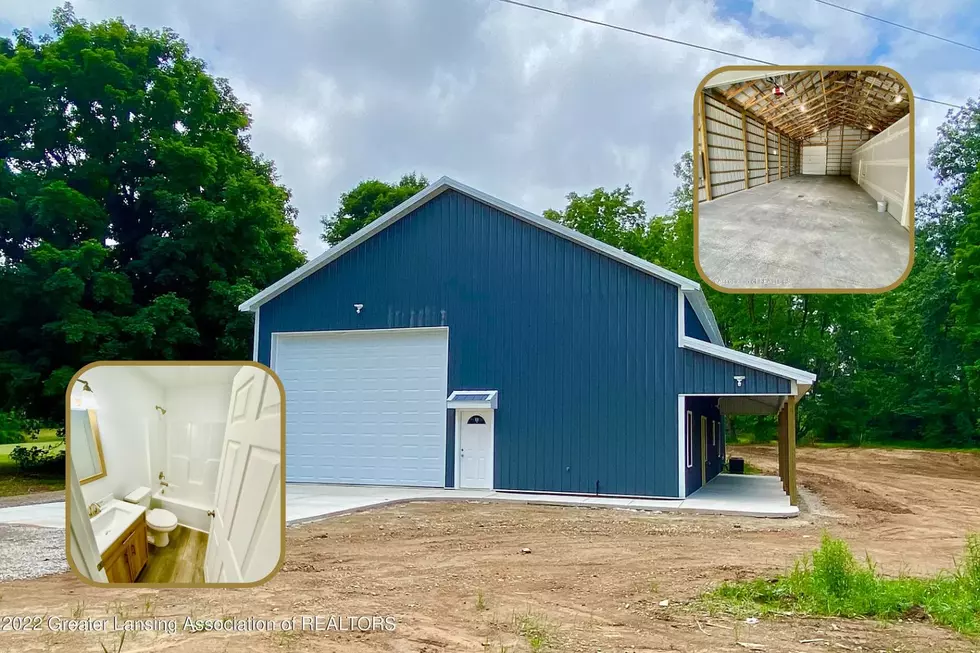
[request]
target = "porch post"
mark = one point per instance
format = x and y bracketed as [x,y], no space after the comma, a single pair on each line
[782,445]
[791,448]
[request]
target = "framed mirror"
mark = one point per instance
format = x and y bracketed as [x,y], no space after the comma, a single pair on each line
[86,446]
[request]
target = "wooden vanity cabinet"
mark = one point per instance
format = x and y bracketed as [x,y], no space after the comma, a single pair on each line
[125,559]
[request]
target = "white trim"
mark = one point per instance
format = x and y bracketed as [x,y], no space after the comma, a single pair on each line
[274,338]
[458,439]
[689,439]
[255,336]
[681,319]
[803,378]
[681,443]
[737,394]
[692,288]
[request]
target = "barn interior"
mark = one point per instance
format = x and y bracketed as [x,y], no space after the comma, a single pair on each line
[804,179]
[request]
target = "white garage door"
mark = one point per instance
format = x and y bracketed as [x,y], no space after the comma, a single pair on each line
[814,159]
[365,407]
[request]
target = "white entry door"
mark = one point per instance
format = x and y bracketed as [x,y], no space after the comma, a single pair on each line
[245,540]
[476,450]
[814,160]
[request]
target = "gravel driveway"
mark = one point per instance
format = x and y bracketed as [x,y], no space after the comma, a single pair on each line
[30,551]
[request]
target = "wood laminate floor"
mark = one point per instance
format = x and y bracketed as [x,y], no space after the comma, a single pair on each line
[181,561]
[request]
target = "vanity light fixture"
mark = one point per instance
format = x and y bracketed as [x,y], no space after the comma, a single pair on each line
[84,399]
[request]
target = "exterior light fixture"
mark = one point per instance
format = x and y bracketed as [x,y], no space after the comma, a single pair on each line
[778,91]
[898,98]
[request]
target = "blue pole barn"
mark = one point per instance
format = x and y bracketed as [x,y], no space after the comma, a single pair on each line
[460,341]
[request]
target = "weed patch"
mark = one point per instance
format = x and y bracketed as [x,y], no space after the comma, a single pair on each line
[831,582]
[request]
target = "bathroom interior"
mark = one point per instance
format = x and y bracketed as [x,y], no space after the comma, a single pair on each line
[146,447]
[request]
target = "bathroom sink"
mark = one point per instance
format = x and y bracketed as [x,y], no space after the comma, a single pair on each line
[113,520]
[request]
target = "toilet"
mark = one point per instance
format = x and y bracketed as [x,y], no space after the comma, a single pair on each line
[159,522]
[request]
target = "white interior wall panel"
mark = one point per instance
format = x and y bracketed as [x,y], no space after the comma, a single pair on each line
[773,156]
[728,148]
[725,153]
[757,153]
[853,138]
[881,167]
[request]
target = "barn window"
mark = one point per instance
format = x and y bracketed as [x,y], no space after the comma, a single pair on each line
[690,441]
[476,419]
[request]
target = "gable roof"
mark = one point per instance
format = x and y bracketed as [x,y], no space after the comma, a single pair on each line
[691,289]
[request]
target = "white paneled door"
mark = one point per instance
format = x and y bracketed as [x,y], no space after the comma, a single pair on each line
[365,407]
[814,159]
[245,540]
[476,450]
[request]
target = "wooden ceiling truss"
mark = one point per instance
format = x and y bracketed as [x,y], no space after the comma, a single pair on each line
[817,100]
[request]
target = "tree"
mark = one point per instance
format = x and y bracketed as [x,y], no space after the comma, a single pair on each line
[366,202]
[134,216]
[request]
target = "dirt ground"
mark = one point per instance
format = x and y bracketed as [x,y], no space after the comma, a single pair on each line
[453,577]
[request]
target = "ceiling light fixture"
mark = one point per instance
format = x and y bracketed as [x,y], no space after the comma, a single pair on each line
[898,98]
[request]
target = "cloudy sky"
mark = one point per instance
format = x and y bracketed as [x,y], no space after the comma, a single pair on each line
[520,104]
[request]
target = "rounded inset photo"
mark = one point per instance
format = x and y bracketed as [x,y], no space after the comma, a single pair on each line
[804,178]
[175,473]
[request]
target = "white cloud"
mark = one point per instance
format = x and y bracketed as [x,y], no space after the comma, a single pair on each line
[524,105]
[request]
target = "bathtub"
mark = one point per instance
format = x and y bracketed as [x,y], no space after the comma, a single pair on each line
[189,513]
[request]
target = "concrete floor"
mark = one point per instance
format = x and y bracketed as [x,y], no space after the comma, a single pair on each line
[726,494]
[802,232]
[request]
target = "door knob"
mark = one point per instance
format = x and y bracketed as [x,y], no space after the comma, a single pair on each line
[210,513]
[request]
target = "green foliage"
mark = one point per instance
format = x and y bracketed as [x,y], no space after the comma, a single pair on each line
[831,582]
[15,426]
[133,215]
[902,366]
[365,203]
[39,460]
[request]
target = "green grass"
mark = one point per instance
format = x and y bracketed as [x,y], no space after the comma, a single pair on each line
[13,483]
[540,634]
[830,582]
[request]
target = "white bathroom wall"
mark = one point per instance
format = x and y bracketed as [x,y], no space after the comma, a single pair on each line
[195,429]
[127,422]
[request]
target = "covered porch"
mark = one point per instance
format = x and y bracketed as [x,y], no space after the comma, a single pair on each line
[784,407]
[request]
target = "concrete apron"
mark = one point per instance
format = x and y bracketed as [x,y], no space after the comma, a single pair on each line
[727,494]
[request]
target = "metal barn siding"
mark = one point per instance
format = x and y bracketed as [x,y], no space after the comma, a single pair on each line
[582,348]
[701,407]
[692,325]
[703,374]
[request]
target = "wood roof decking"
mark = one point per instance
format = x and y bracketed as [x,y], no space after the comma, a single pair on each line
[816,100]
